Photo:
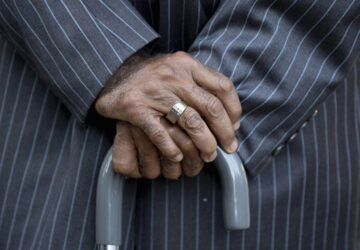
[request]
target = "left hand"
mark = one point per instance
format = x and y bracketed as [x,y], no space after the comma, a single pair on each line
[134,155]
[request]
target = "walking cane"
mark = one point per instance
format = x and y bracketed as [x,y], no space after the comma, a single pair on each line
[110,194]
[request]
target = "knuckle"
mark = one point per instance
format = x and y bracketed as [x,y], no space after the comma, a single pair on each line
[157,135]
[154,132]
[151,175]
[129,101]
[193,168]
[226,85]
[170,172]
[184,58]
[104,106]
[193,121]
[123,168]
[188,146]
[215,107]
[165,71]
[171,153]
[181,55]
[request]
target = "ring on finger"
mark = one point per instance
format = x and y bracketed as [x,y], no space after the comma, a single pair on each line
[176,111]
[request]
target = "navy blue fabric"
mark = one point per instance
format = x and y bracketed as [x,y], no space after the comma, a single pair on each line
[289,61]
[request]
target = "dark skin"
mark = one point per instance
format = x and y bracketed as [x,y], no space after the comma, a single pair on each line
[139,95]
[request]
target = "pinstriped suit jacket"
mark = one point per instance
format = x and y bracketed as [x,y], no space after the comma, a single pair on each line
[286,58]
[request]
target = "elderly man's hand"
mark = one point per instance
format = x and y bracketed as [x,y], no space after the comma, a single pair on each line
[144,90]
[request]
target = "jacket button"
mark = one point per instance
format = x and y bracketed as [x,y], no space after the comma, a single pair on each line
[278,149]
[315,113]
[303,125]
[292,137]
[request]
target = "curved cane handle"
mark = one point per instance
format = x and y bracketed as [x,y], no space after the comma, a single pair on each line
[109,199]
[110,189]
[235,190]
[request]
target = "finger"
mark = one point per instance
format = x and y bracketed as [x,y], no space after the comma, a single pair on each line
[192,163]
[148,158]
[222,87]
[200,134]
[170,169]
[161,139]
[215,115]
[124,152]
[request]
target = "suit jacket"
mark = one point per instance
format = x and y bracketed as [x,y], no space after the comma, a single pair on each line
[289,60]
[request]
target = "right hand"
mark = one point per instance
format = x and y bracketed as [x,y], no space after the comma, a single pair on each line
[151,87]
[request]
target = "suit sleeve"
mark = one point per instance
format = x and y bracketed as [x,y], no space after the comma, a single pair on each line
[74,46]
[285,58]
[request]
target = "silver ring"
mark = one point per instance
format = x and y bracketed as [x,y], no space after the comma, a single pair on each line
[176,111]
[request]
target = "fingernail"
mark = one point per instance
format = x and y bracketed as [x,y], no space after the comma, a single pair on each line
[213,156]
[208,158]
[236,125]
[233,146]
[179,158]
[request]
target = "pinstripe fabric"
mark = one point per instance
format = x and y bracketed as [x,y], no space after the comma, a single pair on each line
[286,58]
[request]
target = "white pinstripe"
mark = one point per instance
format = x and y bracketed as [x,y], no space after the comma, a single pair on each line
[273,226]
[55,219]
[57,48]
[253,39]
[259,205]
[316,184]
[305,96]
[322,90]
[197,220]
[303,192]
[208,31]
[28,161]
[166,215]
[291,64]
[198,17]
[82,154]
[270,42]
[92,190]
[87,39]
[337,163]
[213,208]
[288,156]
[228,235]
[19,195]
[123,21]
[136,16]
[227,26]
[118,37]
[5,44]
[50,189]
[13,112]
[56,65]
[130,222]
[182,214]
[9,74]
[349,172]
[357,133]
[73,45]
[327,149]
[100,30]
[152,217]
[243,238]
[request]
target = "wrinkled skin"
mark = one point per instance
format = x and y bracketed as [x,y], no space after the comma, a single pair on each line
[139,95]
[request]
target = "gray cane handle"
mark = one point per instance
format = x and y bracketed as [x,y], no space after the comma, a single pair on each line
[110,194]
[109,199]
[235,190]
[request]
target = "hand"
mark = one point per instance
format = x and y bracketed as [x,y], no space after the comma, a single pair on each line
[135,156]
[149,87]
